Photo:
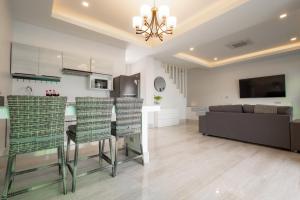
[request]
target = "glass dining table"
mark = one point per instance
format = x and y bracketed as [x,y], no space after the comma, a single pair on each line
[71,112]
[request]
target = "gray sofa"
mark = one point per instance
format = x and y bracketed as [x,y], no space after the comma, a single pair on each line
[259,124]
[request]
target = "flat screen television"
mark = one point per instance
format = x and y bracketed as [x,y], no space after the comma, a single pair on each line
[263,87]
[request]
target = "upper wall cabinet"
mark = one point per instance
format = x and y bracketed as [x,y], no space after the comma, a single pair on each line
[50,62]
[24,59]
[34,60]
[101,66]
[76,62]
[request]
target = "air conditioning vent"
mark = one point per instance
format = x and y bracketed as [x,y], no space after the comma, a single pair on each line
[239,44]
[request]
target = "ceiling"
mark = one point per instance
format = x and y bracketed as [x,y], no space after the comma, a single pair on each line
[206,25]
[268,34]
[119,14]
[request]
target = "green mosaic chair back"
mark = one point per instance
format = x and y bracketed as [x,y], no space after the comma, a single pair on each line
[93,118]
[36,123]
[128,115]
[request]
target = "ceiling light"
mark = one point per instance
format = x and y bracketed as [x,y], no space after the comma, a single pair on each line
[215,59]
[282,16]
[192,49]
[293,39]
[85,4]
[154,22]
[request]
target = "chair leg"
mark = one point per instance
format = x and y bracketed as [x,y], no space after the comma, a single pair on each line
[8,177]
[100,152]
[12,172]
[68,150]
[103,144]
[59,160]
[75,168]
[111,157]
[116,158]
[141,147]
[126,149]
[63,168]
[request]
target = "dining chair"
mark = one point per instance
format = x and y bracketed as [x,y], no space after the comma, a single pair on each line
[93,124]
[36,123]
[128,124]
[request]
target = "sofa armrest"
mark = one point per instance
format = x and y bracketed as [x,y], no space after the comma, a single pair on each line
[202,124]
[295,135]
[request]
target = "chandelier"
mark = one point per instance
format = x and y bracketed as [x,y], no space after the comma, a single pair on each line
[155,22]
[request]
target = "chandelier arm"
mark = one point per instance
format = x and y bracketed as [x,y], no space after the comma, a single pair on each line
[167,31]
[153,22]
[140,31]
[160,36]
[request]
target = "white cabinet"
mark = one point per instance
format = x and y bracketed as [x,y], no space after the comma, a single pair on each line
[24,59]
[103,66]
[75,62]
[50,62]
[166,117]
[28,59]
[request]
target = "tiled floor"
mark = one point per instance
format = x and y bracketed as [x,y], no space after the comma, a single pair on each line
[186,165]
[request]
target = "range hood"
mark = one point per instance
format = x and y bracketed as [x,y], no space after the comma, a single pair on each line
[76,72]
[35,77]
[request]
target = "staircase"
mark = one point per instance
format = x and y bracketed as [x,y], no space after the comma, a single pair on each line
[178,75]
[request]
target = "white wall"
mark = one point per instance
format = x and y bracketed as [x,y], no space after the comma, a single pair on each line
[70,86]
[150,69]
[5,39]
[220,85]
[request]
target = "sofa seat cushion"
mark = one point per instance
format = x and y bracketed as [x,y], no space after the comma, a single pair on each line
[265,109]
[226,108]
[284,110]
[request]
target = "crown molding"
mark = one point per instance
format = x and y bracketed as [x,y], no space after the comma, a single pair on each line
[241,58]
[95,25]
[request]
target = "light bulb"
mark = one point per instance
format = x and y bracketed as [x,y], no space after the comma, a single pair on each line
[163,11]
[146,11]
[171,21]
[137,21]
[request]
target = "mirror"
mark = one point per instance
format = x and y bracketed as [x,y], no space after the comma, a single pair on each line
[159,84]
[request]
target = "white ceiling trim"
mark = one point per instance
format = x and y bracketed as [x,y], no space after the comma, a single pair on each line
[208,14]
[203,16]
[241,58]
[95,25]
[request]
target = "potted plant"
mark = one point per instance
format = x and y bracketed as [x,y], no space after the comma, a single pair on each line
[157,99]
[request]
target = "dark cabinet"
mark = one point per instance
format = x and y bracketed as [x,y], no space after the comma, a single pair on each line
[1,101]
[126,86]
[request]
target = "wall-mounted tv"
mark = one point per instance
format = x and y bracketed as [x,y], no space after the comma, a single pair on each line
[263,87]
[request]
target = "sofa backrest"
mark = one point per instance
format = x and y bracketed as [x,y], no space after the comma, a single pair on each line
[246,108]
[226,108]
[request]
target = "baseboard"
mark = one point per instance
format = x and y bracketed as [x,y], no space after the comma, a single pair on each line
[3,152]
[188,120]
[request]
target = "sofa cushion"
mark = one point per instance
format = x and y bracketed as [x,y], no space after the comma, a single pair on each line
[284,110]
[226,108]
[266,109]
[248,108]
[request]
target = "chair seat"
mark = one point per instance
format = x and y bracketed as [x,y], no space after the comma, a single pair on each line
[72,132]
[121,133]
[72,128]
